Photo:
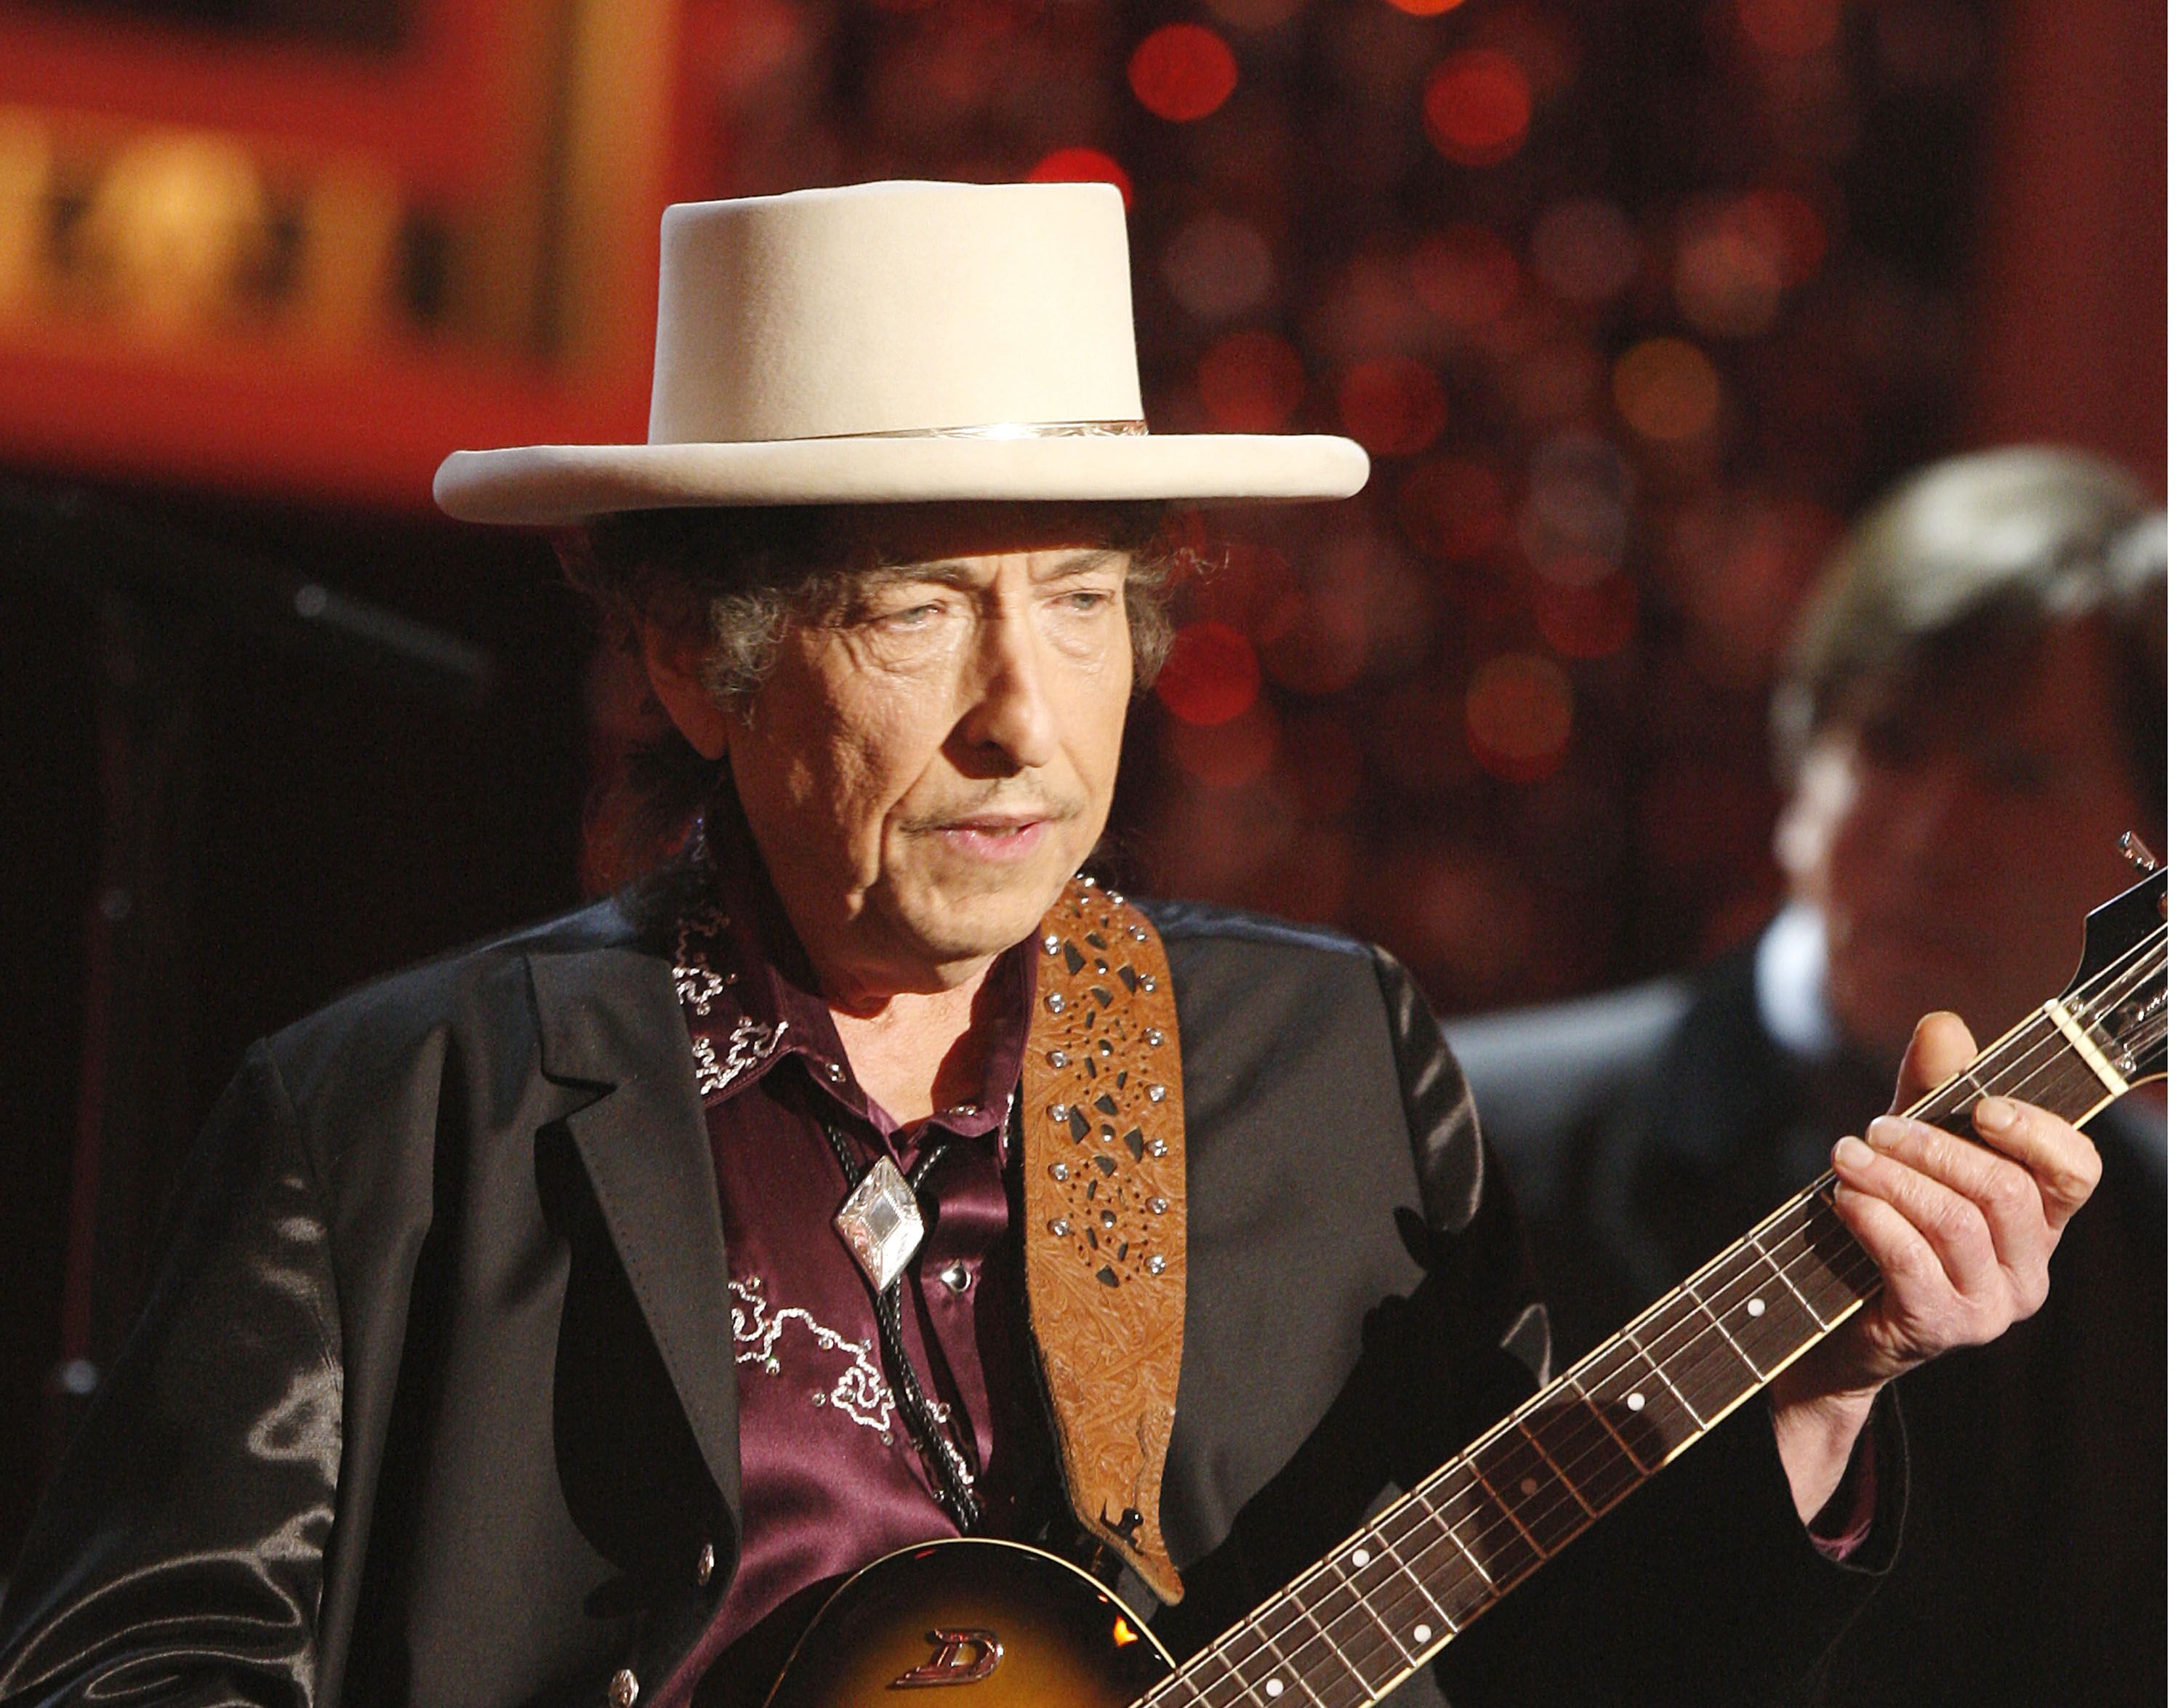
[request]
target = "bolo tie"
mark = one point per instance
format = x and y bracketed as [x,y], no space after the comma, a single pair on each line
[882,1225]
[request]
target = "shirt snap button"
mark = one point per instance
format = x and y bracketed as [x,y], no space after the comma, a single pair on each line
[622,1691]
[706,1561]
[955,1276]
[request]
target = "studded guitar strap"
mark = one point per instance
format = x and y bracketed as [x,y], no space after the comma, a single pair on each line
[1104,1208]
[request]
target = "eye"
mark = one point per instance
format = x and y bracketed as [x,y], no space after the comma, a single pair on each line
[908,617]
[1085,600]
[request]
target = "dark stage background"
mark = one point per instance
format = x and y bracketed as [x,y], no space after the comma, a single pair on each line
[1633,301]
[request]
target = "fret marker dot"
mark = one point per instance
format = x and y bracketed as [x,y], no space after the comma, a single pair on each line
[1422,1634]
[1636,1400]
[1529,1485]
[1757,1307]
[1273,1686]
[1359,1558]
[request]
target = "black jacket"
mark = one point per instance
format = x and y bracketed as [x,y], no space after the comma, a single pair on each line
[1646,1129]
[433,1400]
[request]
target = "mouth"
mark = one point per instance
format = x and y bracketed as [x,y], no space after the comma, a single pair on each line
[995,837]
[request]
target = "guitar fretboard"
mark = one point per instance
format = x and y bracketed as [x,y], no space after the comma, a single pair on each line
[1357,1623]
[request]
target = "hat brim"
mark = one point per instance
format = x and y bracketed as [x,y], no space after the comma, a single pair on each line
[566,483]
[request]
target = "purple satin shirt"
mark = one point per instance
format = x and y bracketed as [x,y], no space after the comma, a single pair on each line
[831,1476]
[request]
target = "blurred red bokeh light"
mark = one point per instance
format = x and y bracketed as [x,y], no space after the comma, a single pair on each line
[1182,72]
[1520,712]
[1393,407]
[1477,107]
[1082,166]
[1250,382]
[1587,622]
[1210,676]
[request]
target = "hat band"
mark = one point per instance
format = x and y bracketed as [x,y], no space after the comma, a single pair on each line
[1011,430]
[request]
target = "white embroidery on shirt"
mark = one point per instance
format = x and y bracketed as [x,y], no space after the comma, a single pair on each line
[694,981]
[861,1391]
[750,1043]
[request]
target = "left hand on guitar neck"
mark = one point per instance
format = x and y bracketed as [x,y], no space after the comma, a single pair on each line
[1963,1235]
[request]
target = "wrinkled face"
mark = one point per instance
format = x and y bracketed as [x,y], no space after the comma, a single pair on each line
[1955,834]
[923,773]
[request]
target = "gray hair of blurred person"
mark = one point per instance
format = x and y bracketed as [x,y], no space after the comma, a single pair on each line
[1971,561]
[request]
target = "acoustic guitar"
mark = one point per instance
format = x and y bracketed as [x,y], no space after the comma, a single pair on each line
[1012,1626]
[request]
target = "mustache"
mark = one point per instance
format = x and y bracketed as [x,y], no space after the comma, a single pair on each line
[999,803]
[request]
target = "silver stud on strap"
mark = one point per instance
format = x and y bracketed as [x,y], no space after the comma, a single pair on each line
[1051,943]
[1058,1058]
[1060,1170]
[1155,1038]
[1156,1147]
[1059,1112]
[1158,1206]
[1157,1265]
[1157,1093]
[1055,1001]
[1058,1227]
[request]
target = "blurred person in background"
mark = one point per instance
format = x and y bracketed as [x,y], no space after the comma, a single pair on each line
[1973,712]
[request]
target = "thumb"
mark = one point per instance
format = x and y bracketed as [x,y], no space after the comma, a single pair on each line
[1941,1049]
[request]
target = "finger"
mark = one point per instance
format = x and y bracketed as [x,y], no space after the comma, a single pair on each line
[1904,1256]
[2062,1161]
[2010,1198]
[1940,1050]
[1951,1225]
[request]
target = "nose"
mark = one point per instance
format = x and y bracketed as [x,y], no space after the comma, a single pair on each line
[1008,724]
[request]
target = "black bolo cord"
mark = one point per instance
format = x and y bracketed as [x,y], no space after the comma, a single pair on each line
[949,1470]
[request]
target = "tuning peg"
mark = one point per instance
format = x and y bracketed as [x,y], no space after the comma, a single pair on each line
[2133,850]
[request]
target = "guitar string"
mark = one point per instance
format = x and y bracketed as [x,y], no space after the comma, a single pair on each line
[1567,1481]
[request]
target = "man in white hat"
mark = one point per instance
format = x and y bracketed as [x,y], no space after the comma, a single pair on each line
[560,1321]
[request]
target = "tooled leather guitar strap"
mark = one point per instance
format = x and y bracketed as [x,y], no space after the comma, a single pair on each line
[1105,1213]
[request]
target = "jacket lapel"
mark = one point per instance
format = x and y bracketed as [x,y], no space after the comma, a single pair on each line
[610,1018]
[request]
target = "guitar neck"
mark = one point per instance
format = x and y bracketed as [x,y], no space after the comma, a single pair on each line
[1364,1618]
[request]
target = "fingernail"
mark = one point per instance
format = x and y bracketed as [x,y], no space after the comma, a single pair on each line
[1997,1114]
[1853,1153]
[1885,1132]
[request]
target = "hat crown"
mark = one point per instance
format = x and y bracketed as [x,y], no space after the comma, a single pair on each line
[892,308]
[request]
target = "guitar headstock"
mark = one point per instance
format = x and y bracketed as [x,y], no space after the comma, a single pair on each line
[2119,990]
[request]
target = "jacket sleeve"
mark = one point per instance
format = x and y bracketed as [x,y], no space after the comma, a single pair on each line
[1704,1586]
[177,1556]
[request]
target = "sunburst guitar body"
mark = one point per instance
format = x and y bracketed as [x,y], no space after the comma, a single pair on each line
[978,1624]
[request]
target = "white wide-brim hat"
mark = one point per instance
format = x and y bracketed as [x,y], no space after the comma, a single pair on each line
[895,343]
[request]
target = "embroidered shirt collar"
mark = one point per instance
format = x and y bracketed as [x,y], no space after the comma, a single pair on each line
[752,1002]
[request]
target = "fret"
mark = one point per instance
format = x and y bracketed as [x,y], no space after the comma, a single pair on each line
[1638,1405]
[1692,1352]
[1308,1646]
[1486,1530]
[1756,1303]
[1438,1557]
[1568,1430]
[1368,1629]
[1523,1481]
[1820,1257]
[1377,1572]
[1260,1671]
[1698,1299]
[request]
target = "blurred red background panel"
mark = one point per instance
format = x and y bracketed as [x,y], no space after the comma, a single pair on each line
[256,263]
